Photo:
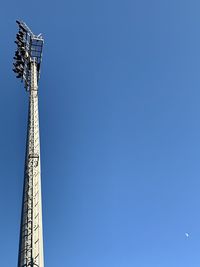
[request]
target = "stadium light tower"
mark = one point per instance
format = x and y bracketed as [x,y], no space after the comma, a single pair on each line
[27,68]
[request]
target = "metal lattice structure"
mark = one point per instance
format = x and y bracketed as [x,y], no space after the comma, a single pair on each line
[27,67]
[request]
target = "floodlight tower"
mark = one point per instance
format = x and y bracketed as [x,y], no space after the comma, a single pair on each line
[27,67]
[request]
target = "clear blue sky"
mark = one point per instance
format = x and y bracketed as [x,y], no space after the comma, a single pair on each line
[120,132]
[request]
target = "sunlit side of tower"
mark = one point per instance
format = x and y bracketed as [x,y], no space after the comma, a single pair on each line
[27,68]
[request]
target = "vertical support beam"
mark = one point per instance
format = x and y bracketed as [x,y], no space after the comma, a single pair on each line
[31,237]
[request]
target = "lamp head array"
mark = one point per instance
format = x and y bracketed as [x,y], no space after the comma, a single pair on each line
[29,49]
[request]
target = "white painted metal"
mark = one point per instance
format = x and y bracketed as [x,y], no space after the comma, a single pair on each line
[31,237]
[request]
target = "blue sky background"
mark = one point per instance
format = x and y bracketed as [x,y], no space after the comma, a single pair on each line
[120,132]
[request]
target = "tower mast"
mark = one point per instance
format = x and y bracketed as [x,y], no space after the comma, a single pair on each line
[27,67]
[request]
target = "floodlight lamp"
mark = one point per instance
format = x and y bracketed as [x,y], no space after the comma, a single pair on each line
[22,28]
[17,57]
[19,37]
[21,33]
